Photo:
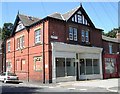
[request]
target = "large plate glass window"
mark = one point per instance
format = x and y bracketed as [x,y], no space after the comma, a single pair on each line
[60,67]
[110,65]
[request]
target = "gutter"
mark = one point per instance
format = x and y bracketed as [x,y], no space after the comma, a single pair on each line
[43,56]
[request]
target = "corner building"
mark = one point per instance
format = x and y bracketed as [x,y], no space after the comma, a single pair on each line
[59,47]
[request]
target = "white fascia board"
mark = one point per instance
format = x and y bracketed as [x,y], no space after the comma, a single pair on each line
[75,48]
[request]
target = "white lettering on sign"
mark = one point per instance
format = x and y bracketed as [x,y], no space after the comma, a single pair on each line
[54,37]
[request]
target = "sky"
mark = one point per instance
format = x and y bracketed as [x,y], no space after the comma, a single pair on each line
[104,15]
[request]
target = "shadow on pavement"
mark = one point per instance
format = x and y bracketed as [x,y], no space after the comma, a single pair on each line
[19,89]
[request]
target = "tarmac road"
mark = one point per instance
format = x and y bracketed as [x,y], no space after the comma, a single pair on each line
[90,87]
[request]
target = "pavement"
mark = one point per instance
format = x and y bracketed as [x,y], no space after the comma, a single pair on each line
[108,84]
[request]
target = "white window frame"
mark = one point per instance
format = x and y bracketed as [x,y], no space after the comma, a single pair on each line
[85,21]
[75,34]
[20,42]
[110,48]
[70,33]
[79,12]
[83,35]
[37,36]
[9,46]
[79,18]
[87,36]
[75,17]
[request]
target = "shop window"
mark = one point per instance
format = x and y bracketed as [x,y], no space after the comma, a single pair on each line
[60,67]
[110,65]
[70,65]
[65,67]
[96,66]
[89,66]
[82,67]
[38,65]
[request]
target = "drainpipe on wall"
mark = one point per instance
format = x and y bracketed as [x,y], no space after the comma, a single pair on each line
[14,54]
[28,53]
[43,57]
[5,55]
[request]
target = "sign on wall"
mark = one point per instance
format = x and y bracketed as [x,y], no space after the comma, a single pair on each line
[38,65]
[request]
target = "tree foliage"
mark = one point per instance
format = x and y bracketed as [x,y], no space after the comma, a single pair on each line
[0,33]
[112,33]
[6,30]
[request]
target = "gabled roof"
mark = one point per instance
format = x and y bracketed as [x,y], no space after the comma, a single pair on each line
[29,20]
[56,16]
[26,21]
[69,14]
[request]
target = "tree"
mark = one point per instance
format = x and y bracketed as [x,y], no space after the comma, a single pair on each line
[6,30]
[0,33]
[112,33]
[119,30]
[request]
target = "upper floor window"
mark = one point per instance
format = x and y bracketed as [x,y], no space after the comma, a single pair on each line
[73,33]
[85,36]
[79,18]
[20,26]
[20,43]
[73,19]
[85,21]
[110,48]
[9,46]
[37,36]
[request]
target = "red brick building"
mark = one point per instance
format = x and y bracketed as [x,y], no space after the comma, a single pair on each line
[0,56]
[111,56]
[59,47]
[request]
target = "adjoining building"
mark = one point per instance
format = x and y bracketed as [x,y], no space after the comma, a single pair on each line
[0,55]
[59,47]
[111,56]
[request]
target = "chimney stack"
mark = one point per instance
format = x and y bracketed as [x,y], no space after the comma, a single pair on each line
[118,34]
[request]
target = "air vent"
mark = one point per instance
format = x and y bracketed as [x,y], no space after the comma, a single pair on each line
[30,18]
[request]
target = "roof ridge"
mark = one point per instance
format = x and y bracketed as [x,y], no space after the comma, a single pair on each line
[28,16]
[71,10]
[54,13]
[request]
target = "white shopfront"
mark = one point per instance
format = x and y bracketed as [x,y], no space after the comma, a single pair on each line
[74,61]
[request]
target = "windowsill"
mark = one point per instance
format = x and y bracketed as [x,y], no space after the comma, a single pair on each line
[38,70]
[20,48]
[73,40]
[40,43]
[86,43]
[8,51]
